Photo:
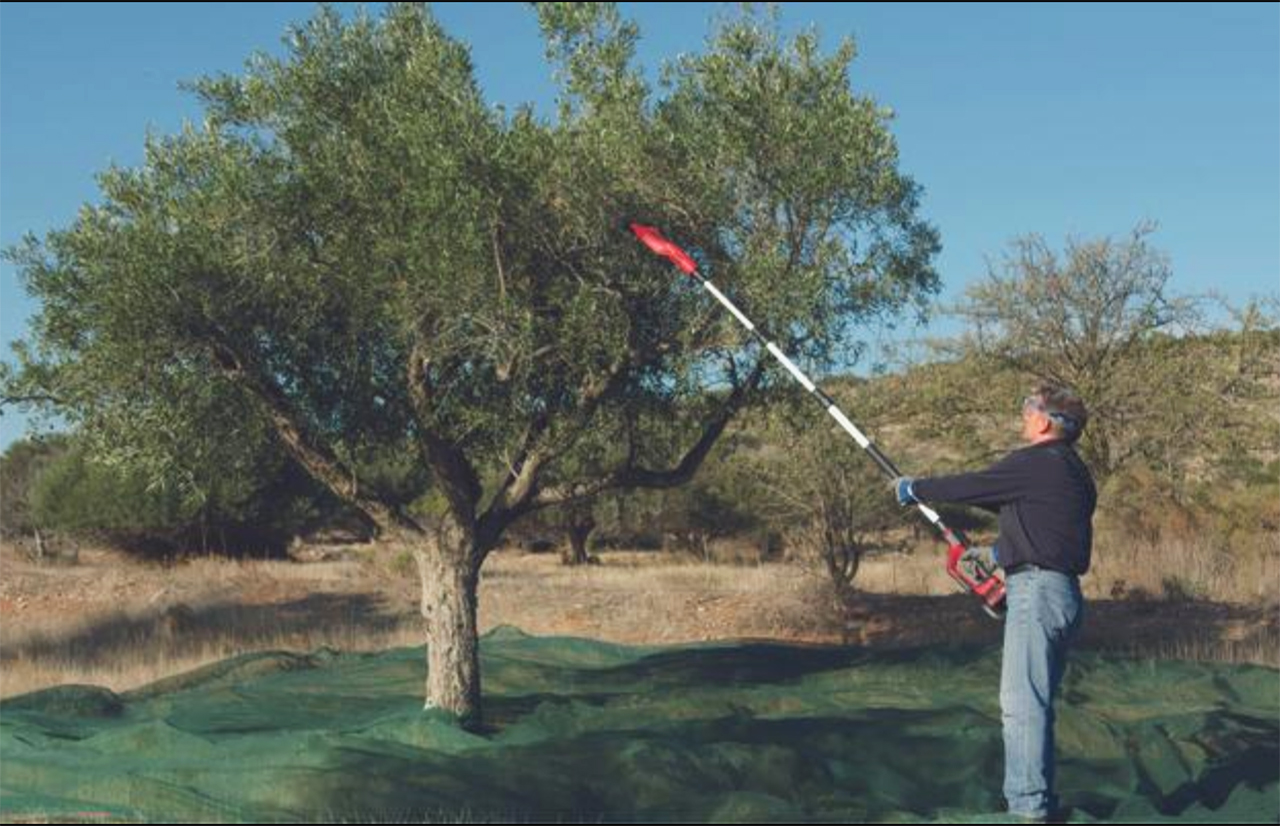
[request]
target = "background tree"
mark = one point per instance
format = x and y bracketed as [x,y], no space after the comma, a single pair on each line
[1102,319]
[22,469]
[354,252]
[822,492]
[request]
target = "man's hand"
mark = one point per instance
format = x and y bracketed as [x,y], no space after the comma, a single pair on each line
[902,489]
[987,557]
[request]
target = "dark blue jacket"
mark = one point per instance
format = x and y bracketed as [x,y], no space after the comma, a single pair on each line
[1045,496]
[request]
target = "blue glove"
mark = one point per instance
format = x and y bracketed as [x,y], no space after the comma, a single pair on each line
[902,488]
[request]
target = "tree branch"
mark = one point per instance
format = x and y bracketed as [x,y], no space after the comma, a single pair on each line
[517,489]
[630,476]
[315,456]
[455,472]
[29,398]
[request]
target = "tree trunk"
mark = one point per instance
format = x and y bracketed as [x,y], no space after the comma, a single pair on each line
[450,571]
[579,531]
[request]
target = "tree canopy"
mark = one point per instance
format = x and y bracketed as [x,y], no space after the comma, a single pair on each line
[355,252]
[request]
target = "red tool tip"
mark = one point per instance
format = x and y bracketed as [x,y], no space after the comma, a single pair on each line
[654,240]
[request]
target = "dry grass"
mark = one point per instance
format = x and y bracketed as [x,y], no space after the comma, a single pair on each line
[1194,566]
[1177,568]
[122,650]
[649,598]
[121,624]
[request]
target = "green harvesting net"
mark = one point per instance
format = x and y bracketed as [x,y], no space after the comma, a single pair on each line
[584,731]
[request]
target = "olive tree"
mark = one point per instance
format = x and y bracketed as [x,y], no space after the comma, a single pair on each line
[355,251]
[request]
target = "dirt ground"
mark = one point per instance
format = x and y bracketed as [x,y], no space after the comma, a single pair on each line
[119,622]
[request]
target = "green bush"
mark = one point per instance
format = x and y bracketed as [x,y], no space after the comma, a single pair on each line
[249,512]
[20,467]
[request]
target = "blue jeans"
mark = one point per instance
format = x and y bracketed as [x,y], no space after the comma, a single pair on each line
[1044,612]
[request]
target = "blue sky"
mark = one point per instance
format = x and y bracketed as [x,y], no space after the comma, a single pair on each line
[1056,119]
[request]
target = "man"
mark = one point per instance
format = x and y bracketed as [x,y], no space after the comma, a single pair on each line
[1045,496]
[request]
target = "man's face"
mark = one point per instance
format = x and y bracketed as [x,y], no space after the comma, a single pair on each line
[1035,424]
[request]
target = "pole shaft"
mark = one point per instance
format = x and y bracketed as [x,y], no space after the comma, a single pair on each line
[883,462]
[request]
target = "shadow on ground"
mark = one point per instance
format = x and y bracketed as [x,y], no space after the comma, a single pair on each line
[181,628]
[1183,629]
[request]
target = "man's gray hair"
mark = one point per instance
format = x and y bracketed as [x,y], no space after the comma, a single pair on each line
[1064,407]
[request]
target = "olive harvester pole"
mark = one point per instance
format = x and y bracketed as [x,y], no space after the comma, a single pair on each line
[973,576]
